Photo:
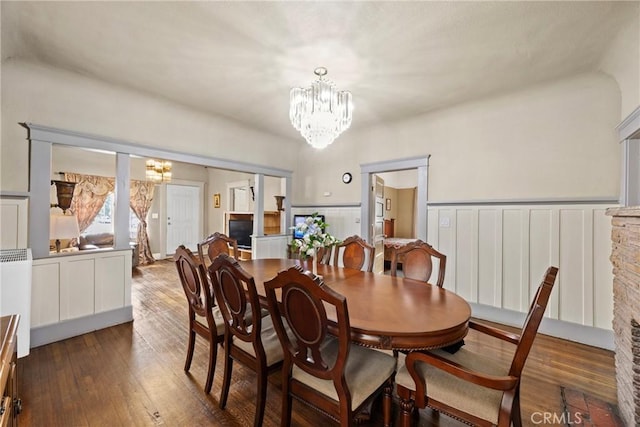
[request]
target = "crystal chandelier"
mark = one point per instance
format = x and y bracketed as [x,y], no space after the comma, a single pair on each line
[320,112]
[158,170]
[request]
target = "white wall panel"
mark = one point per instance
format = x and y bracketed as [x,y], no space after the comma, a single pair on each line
[497,255]
[343,221]
[77,279]
[45,293]
[466,273]
[602,272]
[489,258]
[13,223]
[270,246]
[571,274]
[109,292]
[542,244]
[512,259]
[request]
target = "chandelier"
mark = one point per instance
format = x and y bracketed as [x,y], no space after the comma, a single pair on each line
[320,112]
[158,170]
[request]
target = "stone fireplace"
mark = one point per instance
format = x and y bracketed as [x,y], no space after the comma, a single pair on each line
[625,257]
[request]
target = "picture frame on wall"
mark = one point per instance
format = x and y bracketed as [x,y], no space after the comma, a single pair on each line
[216,200]
[388,204]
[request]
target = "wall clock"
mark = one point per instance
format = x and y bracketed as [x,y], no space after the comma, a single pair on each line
[346,177]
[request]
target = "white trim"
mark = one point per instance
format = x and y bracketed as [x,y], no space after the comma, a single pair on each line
[421,164]
[78,139]
[532,201]
[70,328]
[630,126]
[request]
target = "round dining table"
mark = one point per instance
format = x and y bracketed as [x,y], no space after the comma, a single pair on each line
[385,312]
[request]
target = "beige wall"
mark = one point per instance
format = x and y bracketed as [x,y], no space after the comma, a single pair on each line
[622,62]
[406,213]
[554,140]
[60,99]
[402,210]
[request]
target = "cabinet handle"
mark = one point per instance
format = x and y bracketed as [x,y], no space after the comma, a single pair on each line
[17,402]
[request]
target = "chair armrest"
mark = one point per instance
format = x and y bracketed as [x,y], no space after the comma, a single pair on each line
[495,332]
[503,383]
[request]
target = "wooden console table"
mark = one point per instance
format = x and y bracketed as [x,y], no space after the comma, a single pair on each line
[10,406]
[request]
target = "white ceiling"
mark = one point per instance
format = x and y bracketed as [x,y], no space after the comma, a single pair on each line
[240,59]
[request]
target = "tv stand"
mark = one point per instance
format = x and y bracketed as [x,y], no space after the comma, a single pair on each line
[271,221]
[243,254]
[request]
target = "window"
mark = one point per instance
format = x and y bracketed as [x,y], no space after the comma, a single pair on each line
[103,222]
[133,225]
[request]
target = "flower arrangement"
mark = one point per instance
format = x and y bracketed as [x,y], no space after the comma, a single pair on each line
[314,236]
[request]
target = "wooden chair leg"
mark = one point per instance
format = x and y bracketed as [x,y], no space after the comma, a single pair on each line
[516,416]
[386,404]
[190,347]
[213,355]
[407,407]
[261,398]
[226,382]
[287,401]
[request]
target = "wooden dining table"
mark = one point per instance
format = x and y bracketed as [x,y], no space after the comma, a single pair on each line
[385,312]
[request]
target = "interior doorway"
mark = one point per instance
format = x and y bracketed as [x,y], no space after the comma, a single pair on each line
[421,166]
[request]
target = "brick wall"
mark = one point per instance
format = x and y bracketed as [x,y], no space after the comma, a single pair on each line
[625,257]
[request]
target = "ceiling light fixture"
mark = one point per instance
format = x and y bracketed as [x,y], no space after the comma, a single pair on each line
[320,112]
[158,171]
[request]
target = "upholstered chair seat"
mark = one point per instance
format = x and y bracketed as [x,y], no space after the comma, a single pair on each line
[364,372]
[480,401]
[270,342]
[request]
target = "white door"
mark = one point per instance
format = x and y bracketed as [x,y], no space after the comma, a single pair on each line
[377,222]
[183,217]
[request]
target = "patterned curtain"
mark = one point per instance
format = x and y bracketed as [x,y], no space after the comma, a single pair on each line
[88,197]
[140,202]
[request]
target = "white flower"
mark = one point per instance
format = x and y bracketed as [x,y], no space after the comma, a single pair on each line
[314,236]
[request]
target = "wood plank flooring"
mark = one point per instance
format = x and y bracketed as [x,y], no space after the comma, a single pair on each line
[132,374]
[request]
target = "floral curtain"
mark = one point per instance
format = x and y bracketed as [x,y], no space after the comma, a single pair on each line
[140,202]
[88,197]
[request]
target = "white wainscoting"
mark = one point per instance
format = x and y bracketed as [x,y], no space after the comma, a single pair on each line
[344,221]
[497,255]
[79,293]
[13,222]
[272,246]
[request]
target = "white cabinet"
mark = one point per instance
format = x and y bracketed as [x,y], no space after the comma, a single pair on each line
[78,293]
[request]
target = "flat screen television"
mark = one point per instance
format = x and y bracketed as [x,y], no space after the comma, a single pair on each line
[297,219]
[241,230]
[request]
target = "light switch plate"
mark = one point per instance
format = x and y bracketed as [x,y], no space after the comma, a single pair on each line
[444,222]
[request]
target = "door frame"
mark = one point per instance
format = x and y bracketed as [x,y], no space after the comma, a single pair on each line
[421,164]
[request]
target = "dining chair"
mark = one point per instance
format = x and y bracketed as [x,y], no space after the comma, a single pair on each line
[417,261]
[324,255]
[470,386]
[254,344]
[332,375]
[205,318]
[216,244]
[355,252]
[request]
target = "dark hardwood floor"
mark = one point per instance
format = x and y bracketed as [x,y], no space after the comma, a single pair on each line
[132,374]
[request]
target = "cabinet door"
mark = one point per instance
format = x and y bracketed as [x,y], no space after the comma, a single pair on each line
[77,288]
[110,289]
[45,293]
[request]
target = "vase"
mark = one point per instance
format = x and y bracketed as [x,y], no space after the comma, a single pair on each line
[314,263]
